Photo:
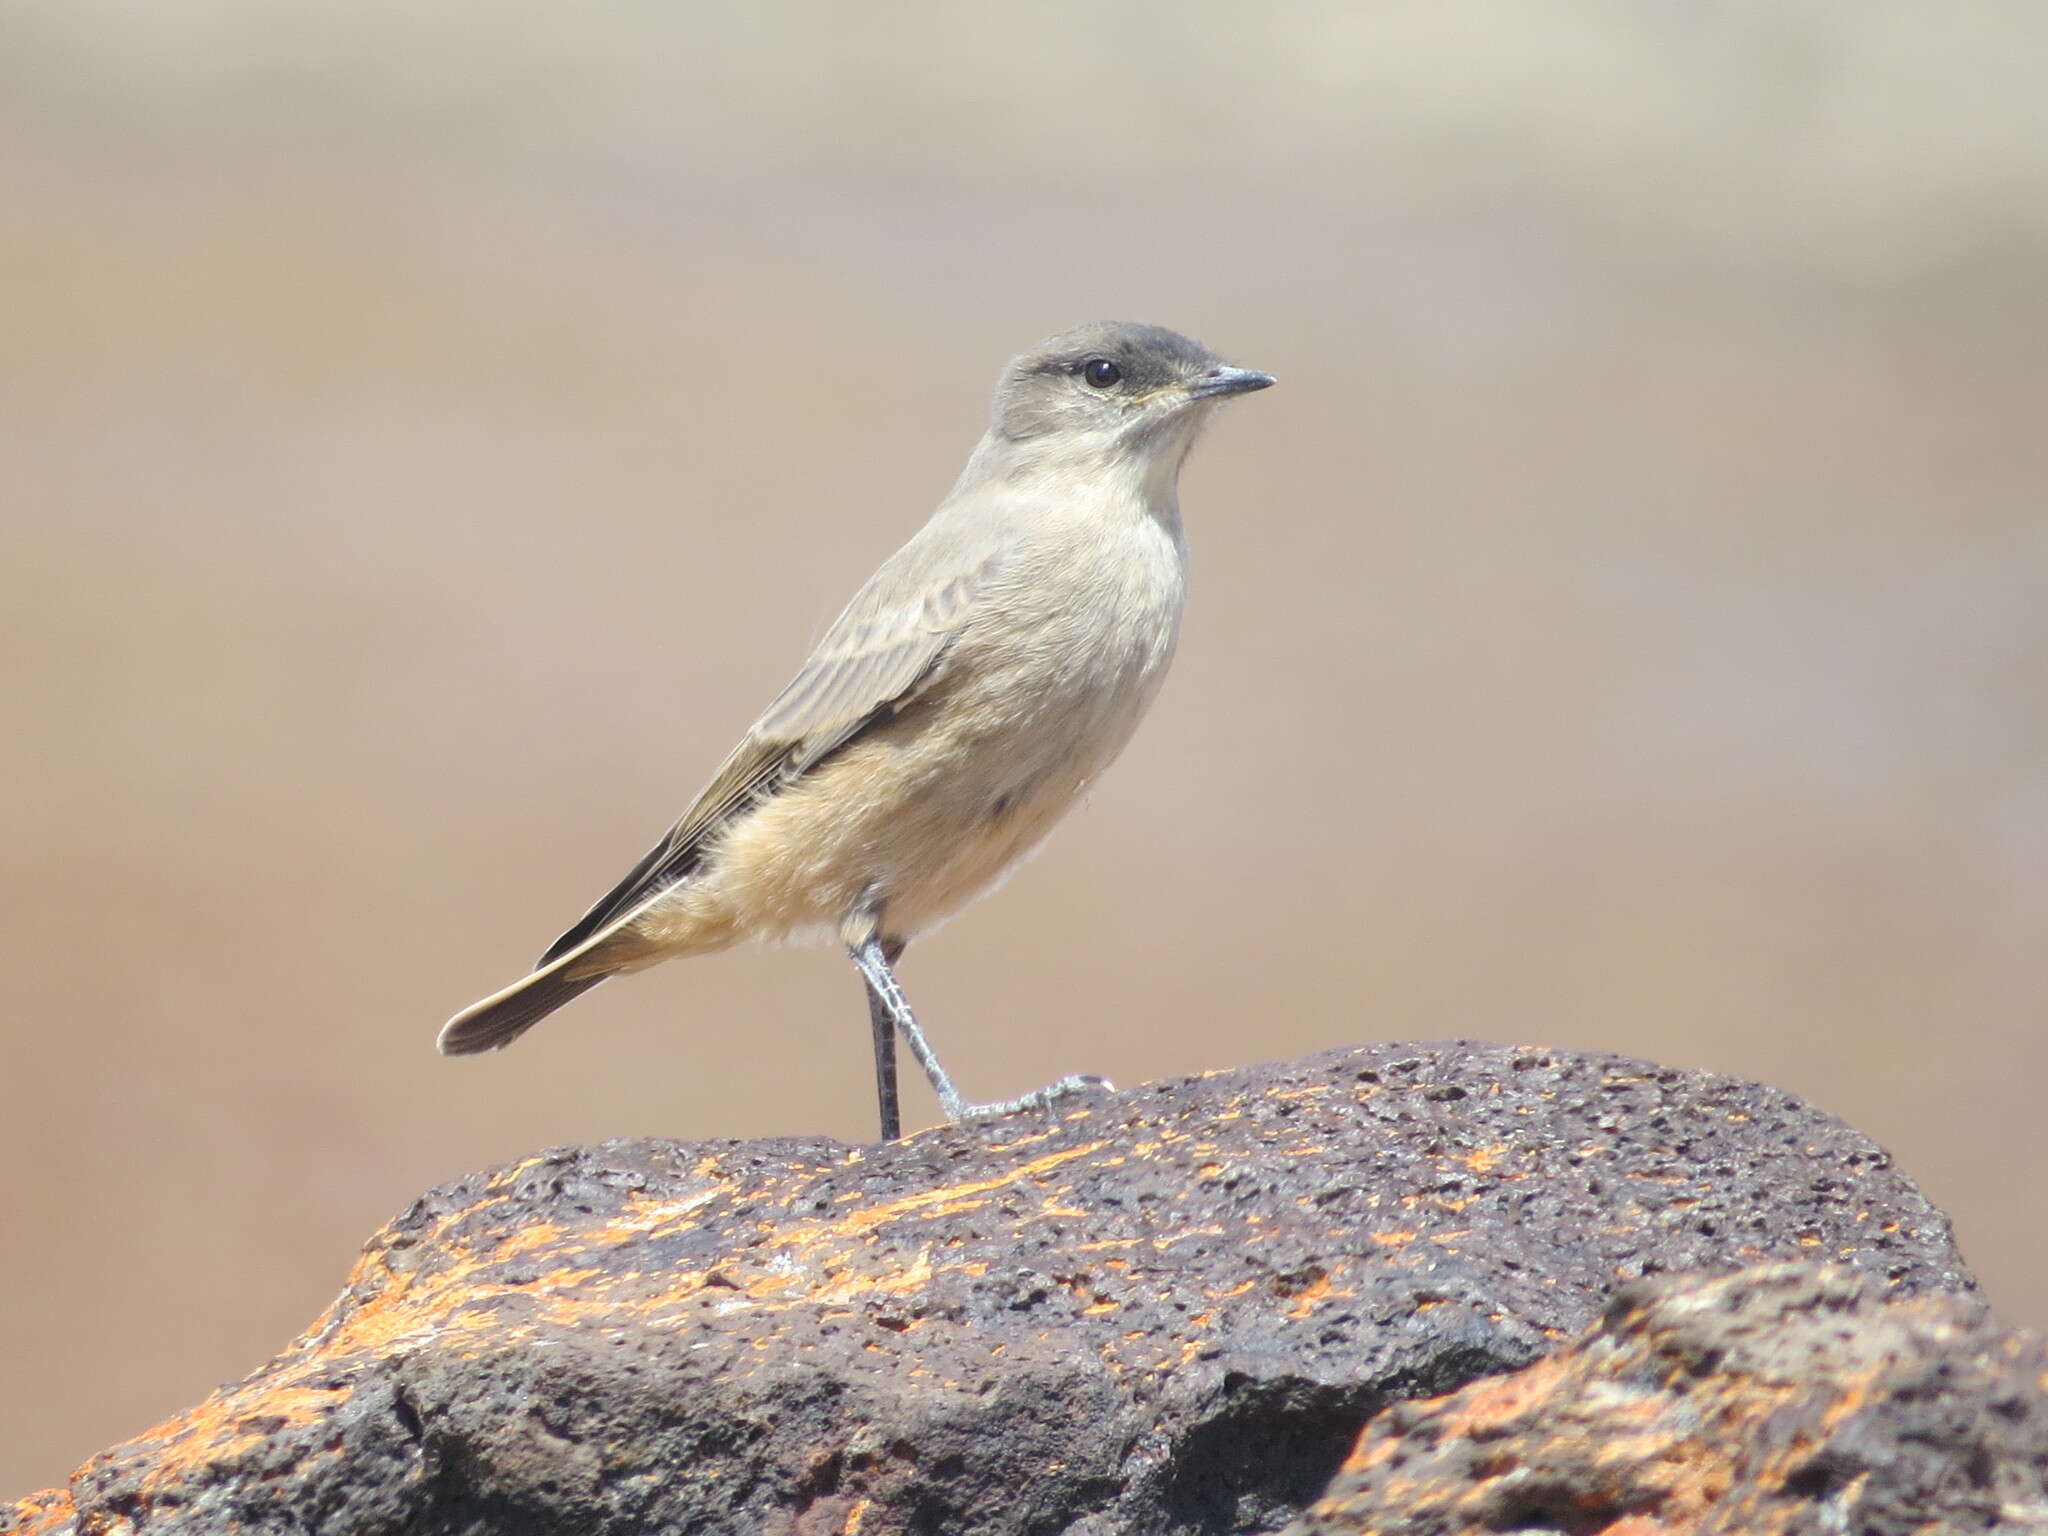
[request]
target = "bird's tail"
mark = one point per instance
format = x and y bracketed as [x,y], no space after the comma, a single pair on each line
[504,1016]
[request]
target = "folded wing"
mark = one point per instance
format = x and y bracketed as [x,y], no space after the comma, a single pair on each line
[881,651]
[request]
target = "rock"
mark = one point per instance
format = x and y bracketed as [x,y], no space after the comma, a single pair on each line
[1166,1311]
[1780,1400]
[48,1513]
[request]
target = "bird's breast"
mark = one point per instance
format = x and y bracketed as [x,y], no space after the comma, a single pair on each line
[1038,696]
[1072,649]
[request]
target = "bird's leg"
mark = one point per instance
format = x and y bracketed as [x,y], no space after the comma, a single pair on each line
[883,1022]
[886,1000]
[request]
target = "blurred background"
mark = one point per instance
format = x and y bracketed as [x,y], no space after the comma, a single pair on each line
[431,433]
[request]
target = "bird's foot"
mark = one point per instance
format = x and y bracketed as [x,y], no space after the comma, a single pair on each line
[1042,1098]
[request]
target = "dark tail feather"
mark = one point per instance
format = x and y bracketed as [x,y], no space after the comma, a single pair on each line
[504,1016]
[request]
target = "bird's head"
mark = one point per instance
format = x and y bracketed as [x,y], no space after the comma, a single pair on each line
[1114,385]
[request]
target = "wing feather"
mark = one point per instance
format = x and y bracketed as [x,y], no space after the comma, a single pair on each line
[879,652]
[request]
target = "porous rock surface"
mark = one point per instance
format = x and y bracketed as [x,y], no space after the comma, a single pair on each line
[1781,1401]
[1164,1311]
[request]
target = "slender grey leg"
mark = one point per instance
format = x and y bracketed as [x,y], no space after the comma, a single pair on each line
[883,1023]
[885,996]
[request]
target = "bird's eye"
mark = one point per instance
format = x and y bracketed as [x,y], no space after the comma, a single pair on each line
[1101,372]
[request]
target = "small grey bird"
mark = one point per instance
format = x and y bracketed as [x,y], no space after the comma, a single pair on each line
[990,669]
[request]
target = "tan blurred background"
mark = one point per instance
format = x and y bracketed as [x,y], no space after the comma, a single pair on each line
[430,433]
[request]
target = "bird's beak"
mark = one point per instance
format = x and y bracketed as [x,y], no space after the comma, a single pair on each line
[1221,381]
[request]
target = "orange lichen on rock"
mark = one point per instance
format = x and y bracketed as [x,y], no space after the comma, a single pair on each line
[47,1512]
[1777,1400]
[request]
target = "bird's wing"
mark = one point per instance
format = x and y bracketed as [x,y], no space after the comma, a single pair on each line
[878,654]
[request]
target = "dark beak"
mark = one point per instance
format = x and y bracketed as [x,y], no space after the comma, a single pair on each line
[1220,381]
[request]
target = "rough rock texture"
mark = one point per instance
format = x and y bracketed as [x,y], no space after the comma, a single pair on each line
[1777,1401]
[40,1514]
[1167,1311]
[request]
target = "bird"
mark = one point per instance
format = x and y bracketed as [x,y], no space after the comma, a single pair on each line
[986,673]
